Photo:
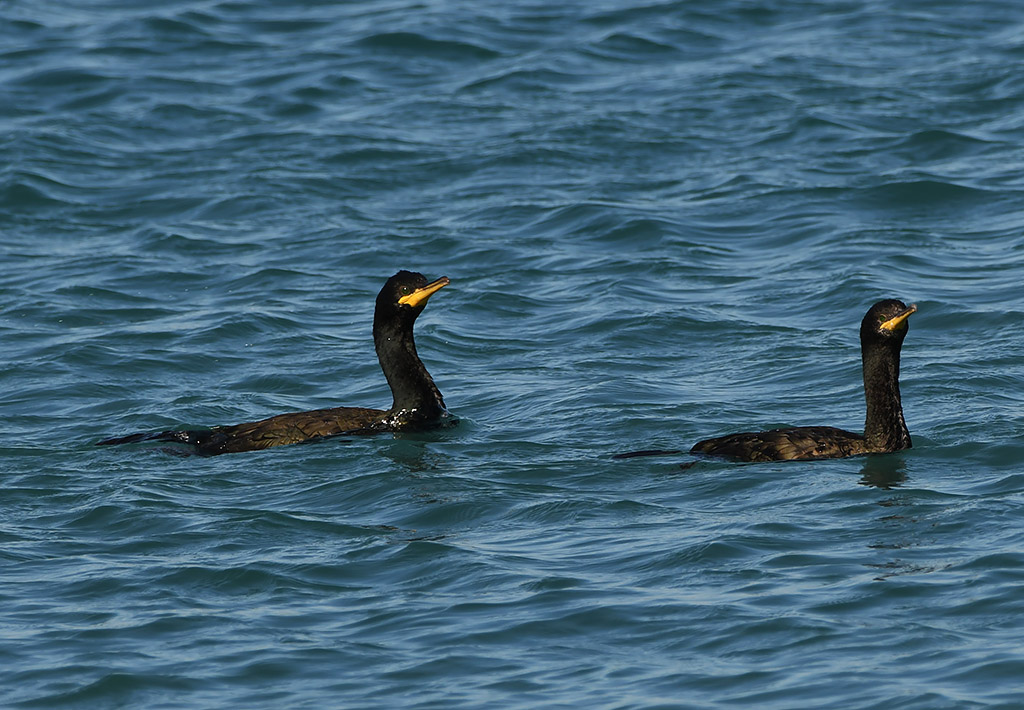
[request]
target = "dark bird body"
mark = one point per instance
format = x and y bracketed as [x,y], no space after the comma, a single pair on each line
[417,402]
[881,337]
[796,443]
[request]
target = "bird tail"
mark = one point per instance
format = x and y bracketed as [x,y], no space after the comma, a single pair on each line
[194,438]
[647,452]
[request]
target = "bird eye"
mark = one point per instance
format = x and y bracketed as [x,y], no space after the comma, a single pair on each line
[406,290]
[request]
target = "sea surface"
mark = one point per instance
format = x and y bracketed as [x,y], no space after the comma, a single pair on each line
[662,221]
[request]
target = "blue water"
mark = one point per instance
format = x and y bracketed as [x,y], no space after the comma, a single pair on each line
[662,221]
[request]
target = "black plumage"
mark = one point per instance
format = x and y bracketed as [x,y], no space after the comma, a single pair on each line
[417,403]
[881,337]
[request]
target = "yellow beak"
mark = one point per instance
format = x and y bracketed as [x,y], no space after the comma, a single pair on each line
[896,322]
[421,295]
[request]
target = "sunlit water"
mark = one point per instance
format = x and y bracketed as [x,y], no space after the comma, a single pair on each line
[662,222]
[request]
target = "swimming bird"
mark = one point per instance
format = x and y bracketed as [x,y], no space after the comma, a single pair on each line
[417,402]
[881,336]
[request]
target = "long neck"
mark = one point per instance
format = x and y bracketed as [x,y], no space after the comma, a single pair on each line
[413,389]
[884,427]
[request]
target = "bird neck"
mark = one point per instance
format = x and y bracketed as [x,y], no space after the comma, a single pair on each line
[884,426]
[416,397]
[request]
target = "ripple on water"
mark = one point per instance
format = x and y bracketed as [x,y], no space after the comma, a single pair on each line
[661,222]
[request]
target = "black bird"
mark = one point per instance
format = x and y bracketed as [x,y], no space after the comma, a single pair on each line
[417,402]
[881,336]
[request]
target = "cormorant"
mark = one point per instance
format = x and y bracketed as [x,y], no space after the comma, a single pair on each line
[881,336]
[417,402]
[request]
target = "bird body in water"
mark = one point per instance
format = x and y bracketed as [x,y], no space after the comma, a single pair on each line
[417,402]
[881,336]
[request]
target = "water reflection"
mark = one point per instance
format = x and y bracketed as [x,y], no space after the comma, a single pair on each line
[883,471]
